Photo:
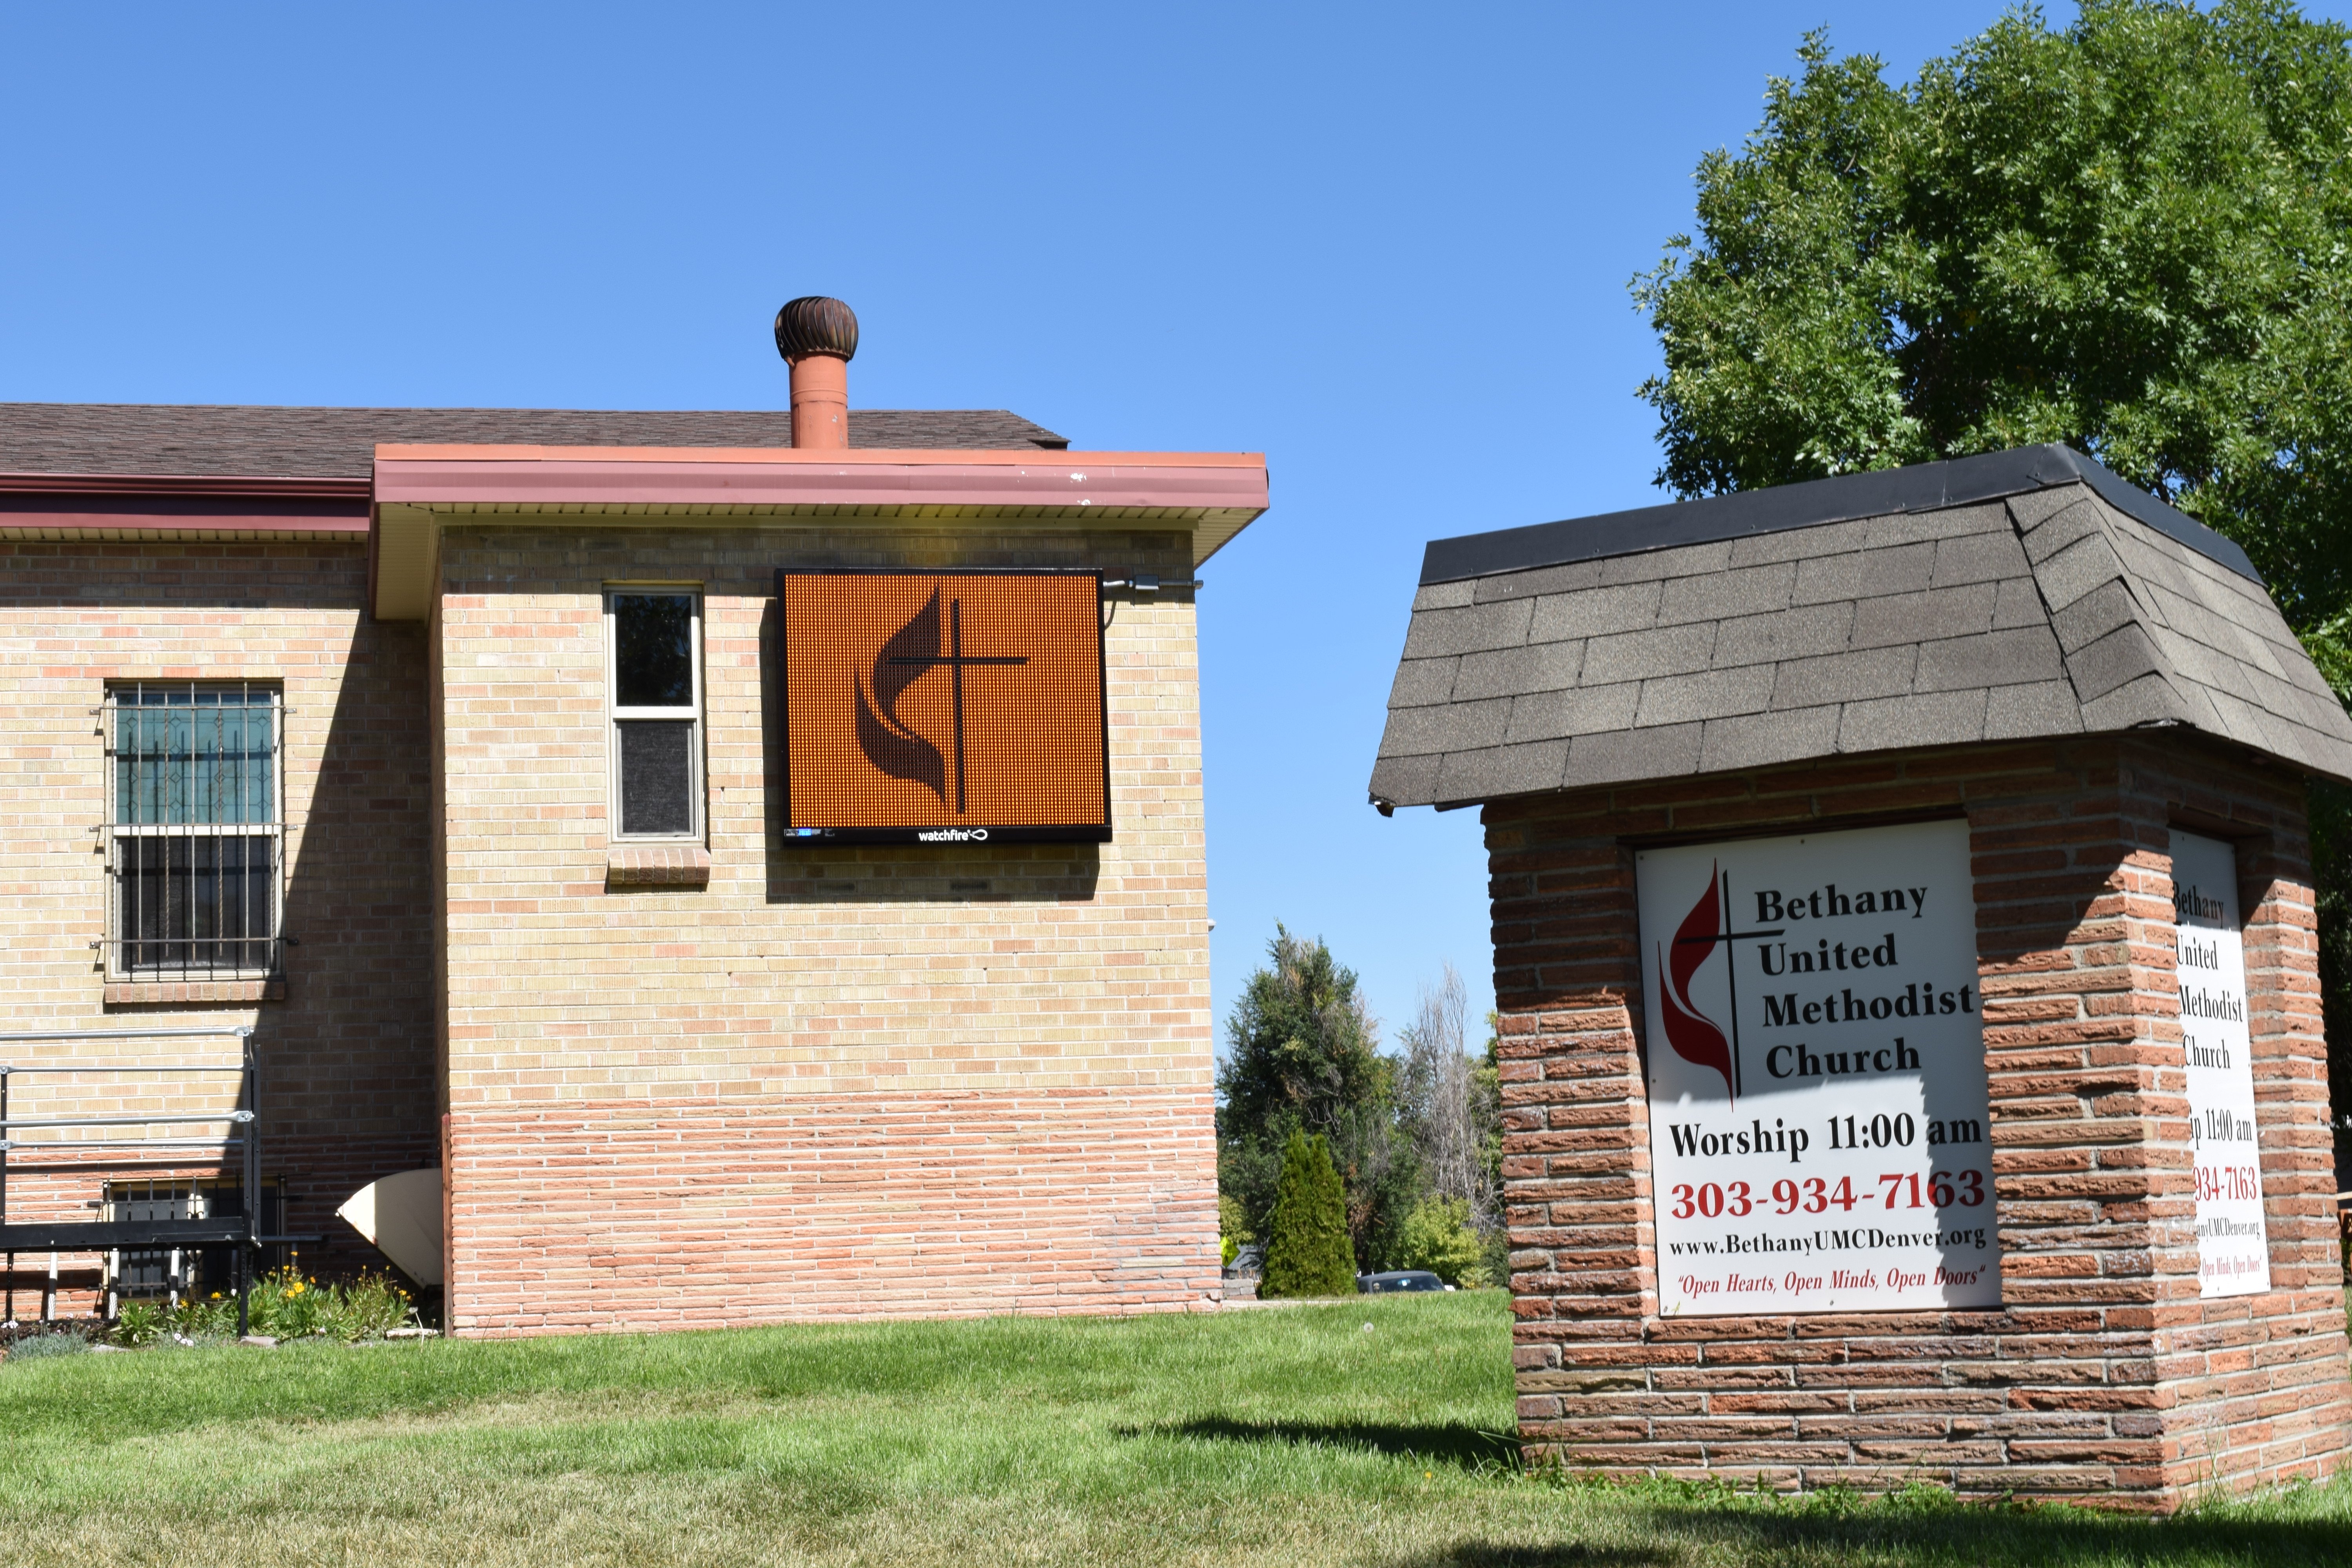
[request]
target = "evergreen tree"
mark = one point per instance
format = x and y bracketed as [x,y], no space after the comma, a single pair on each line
[1308,1252]
[1303,1056]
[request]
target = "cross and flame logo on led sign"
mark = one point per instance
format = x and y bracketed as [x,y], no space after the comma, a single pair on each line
[914,651]
[932,700]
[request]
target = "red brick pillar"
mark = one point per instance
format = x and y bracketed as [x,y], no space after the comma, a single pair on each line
[2102,1375]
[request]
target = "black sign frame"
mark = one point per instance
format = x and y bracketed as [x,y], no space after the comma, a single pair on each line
[931,834]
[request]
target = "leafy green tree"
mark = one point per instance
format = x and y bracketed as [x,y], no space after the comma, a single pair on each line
[1303,1055]
[1438,1235]
[2132,234]
[1308,1252]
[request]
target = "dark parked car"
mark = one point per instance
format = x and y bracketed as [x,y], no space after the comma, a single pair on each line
[1398,1279]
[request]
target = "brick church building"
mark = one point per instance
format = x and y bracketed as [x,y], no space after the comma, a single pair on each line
[487,765]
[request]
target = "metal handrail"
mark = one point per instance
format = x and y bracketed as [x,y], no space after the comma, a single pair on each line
[20,1144]
[243,1135]
[156,1120]
[131,1067]
[196,1031]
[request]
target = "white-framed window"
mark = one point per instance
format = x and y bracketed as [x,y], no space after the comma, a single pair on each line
[194,829]
[653,678]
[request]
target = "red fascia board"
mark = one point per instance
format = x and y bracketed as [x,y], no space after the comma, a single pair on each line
[617,476]
[16,519]
[805,456]
[183,485]
[183,503]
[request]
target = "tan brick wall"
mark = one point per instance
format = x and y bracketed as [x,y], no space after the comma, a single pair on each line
[680,1105]
[347,1054]
[2102,1373]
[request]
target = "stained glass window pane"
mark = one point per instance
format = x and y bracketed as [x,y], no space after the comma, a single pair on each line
[192,756]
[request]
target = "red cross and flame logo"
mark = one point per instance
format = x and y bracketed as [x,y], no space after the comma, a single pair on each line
[1695,1037]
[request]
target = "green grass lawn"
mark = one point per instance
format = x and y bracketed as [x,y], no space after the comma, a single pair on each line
[1274,1436]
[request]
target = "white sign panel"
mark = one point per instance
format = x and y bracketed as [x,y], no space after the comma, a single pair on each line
[1817,1080]
[2234,1254]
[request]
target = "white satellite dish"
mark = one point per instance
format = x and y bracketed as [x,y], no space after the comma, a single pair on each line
[402,1216]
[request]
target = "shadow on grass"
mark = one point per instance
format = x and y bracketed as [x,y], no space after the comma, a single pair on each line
[1925,1525]
[1465,1447]
[1798,1536]
[1489,1554]
[1956,1534]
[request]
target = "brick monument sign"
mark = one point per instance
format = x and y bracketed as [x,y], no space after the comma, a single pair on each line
[1912,1053]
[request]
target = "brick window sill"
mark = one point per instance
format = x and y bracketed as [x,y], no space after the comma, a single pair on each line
[657,866]
[150,993]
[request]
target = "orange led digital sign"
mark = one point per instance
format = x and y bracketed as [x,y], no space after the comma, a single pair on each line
[944,707]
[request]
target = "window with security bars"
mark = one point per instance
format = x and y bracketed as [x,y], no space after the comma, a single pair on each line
[653,646]
[195,836]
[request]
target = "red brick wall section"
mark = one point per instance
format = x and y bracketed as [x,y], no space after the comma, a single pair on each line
[2259,1380]
[678,1212]
[2103,1375]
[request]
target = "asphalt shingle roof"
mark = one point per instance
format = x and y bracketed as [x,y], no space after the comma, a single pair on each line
[223,441]
[1579,656]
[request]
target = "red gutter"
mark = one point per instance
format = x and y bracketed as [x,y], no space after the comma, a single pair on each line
[558,476]
[622,476]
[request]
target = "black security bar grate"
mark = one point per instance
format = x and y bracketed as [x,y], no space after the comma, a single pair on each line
[194,835]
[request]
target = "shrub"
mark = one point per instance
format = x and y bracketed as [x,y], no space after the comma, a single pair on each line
[1308,1252]
[141,1323]
[197,1319]
[34,1346]
[371,1305]
[1438,1235]
[286,1305]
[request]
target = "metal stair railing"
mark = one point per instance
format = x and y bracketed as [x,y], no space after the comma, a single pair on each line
[243,1133]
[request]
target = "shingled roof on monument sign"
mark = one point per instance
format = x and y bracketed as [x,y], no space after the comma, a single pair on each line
[2017,594]
[213,441]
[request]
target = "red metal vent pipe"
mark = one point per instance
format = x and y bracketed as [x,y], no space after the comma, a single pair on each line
[818,338]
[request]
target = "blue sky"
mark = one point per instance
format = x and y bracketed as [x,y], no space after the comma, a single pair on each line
[1386,246]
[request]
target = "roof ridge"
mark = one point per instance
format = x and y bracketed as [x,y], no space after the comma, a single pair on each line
[460,408]
[330,441]
[1808,503]
[2116,571]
